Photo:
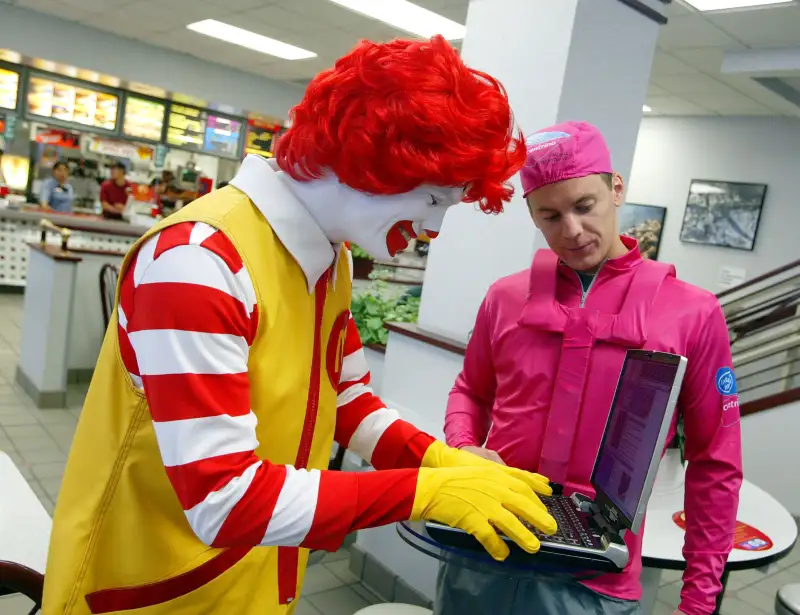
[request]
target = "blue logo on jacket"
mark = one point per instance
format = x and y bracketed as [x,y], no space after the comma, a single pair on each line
[726,381]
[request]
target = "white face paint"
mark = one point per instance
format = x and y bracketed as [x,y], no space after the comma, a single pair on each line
[382,225]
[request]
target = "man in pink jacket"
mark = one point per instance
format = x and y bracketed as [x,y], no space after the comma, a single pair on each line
[541,368]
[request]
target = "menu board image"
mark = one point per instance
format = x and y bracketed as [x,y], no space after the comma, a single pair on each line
[9,87]
[63,103]
[106,111]
[143,119]
[69,103]
[222,136]
[260,138]
[186,127]
[40,97]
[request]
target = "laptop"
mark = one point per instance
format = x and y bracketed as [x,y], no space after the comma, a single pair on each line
[590,532]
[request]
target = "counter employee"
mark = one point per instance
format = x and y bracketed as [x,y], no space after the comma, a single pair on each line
[114,193]
[57,193]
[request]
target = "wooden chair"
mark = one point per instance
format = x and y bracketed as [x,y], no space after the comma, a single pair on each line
[19,579]
[109,274]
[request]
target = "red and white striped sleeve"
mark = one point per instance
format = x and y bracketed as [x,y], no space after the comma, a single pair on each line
[187,318]
[364,424]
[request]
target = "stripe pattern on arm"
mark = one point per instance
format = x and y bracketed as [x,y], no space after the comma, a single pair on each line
[192,365]
[364,424]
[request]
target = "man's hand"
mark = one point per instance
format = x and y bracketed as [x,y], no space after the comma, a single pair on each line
[485,453]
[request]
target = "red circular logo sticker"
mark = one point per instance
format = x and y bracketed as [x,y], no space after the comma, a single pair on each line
[335,351]
[745,537]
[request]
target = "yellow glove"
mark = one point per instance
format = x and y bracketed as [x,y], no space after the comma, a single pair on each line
[440,455]
[482,500]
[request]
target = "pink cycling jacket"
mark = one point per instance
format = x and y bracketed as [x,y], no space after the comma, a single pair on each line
[539,377]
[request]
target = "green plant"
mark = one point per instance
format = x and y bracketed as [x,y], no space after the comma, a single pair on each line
[372,308]
[681,439]
[358,252]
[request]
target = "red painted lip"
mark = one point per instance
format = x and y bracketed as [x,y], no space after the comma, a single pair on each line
[395,242]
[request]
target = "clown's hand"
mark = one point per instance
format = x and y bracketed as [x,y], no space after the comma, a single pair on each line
[482,500]
[440,455]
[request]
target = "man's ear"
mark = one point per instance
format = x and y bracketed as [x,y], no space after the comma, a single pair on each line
[618,188]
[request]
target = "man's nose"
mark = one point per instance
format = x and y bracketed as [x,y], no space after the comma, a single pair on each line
[571,227]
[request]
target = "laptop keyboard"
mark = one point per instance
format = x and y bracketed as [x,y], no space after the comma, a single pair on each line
[573,528]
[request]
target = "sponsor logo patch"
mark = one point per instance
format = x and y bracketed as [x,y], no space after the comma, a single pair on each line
[726,381]
[542,140]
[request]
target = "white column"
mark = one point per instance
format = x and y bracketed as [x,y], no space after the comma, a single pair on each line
[559,60]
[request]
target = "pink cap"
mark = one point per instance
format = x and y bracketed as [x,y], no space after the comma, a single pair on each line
[564,151]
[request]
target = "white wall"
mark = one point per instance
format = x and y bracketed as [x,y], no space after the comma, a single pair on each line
[47,37]
[672,151]
[770,454]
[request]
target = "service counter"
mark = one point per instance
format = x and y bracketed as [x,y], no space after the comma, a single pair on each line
[62,324]
[20,227]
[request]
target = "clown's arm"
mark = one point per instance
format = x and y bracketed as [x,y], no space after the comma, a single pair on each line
[367,427]
[375,432]
[187,317]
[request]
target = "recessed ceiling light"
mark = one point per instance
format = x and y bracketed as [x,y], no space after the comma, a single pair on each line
[251,40]
[646,109]
[407,16]
[723,5]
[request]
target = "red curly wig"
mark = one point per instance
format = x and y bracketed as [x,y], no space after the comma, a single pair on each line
[389,117]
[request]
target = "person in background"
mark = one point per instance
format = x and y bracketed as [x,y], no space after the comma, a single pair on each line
[541,369]
[160,184]
[171,200]
[57,193]
[114,193]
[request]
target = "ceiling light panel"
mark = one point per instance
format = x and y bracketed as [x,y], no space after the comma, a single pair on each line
[407,16]
[250,40]
[724,5]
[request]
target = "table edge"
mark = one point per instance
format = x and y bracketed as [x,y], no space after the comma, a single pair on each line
[672,564]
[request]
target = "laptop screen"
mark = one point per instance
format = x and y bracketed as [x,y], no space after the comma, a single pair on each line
[640,406]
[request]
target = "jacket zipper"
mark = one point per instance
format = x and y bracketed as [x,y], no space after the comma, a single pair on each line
[312,406]
[288,557]
[585,293]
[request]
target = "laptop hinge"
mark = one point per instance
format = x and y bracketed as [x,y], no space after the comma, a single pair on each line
[587,505]
[607,526]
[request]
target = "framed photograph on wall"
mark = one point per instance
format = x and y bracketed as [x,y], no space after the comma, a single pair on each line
[723,214]
[644,223]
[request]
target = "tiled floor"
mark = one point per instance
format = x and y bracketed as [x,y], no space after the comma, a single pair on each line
[39,440]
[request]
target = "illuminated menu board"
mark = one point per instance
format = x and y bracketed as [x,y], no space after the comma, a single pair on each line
[186,127]
[222,136]
[9,87]
[260,138]
[69,103]
[143,119]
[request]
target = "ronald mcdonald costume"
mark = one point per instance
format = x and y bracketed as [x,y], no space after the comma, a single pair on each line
[197,481]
